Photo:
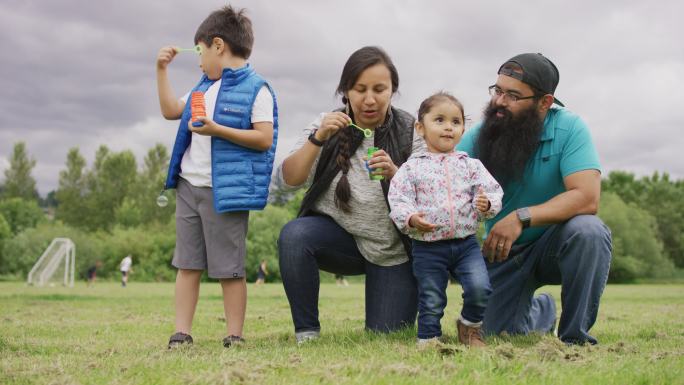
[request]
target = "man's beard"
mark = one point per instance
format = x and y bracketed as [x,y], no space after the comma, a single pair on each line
[505,144]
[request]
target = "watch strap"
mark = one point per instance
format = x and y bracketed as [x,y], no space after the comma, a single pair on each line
[312,139]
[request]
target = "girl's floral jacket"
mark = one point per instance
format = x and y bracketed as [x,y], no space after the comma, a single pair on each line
[442,187]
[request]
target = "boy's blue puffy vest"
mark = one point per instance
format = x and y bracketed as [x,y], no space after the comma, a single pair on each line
[239,175]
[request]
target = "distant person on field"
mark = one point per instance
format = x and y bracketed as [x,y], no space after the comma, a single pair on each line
[220,166]
[125,267]
[262,272]
[91,274]
[340,280]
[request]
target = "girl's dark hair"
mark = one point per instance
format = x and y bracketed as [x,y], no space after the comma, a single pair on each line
[358,62]
[231,25]
[430,102]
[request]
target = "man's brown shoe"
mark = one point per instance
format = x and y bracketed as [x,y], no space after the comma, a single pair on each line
[469,335]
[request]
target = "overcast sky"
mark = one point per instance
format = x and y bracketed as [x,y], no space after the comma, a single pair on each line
[82,73]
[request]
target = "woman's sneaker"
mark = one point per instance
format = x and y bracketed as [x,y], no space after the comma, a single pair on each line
[428,343]
[309,335]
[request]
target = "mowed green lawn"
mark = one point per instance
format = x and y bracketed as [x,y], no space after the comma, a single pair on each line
[111,335]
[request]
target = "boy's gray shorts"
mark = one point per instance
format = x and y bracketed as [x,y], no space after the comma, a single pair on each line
[205,239]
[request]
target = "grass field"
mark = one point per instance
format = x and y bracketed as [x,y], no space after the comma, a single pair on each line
[111,335]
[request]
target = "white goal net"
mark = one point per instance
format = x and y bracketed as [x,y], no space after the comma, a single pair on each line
[56,265]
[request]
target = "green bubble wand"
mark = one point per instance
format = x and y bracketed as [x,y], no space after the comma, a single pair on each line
[366,131]
[196,49]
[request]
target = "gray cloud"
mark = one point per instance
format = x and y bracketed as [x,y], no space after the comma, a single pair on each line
[82,74]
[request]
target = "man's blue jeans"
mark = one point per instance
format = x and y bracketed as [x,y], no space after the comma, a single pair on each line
[432,264]
[308,244]
[575,254]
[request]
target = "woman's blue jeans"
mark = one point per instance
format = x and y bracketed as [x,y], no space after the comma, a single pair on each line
[433,262]
[308,244]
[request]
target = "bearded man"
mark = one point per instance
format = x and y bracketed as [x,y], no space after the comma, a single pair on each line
[547,232]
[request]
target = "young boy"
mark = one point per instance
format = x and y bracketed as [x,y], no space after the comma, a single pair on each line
[125,267]
[91,274]
[221,170]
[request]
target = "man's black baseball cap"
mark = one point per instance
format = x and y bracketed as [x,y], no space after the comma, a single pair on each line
[537,71]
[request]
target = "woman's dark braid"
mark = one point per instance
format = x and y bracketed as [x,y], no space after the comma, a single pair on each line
[343,189]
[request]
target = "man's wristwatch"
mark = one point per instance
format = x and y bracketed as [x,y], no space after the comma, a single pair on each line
[312,139]
[524,216]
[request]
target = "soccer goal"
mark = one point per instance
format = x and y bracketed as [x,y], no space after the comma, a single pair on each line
[57,262]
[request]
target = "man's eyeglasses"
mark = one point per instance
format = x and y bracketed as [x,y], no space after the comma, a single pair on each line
[496,92]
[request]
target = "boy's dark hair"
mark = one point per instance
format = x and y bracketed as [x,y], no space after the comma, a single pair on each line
[430,102]
[231,25]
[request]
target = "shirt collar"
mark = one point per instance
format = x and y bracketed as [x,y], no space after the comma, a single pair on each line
[550,124]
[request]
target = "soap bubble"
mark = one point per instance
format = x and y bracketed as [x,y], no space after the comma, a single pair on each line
[162,200]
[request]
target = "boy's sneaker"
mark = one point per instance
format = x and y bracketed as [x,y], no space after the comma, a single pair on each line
[309,335]
[470,335]
[233,341]
[179,339]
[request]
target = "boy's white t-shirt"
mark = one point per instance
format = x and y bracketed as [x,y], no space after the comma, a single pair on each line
[196,162]
[126,263]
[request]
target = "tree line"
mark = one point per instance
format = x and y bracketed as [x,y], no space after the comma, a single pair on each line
[109,210]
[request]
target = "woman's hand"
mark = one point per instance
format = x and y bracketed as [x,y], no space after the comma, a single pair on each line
[381,159]
[331,123]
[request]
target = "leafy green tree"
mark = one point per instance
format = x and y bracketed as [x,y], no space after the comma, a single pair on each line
[5,229]
[637,251]
[72,189]
[18,180]
[110,181]
[665,201]
[661,197]
[5,234]
[21,214]
[151,246]
[151,182]
[625,185]
[140,206]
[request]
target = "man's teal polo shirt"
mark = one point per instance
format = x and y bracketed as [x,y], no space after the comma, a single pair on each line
[566,147]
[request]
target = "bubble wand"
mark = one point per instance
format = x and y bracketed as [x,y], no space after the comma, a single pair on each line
[366,131]
[196,49]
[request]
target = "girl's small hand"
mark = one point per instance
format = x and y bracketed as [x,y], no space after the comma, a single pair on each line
[481,201]
[165,56]
[421,224]
[381,159]
[331,123]
[208,128]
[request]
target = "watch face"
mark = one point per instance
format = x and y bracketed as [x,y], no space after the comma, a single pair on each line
[524,216]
